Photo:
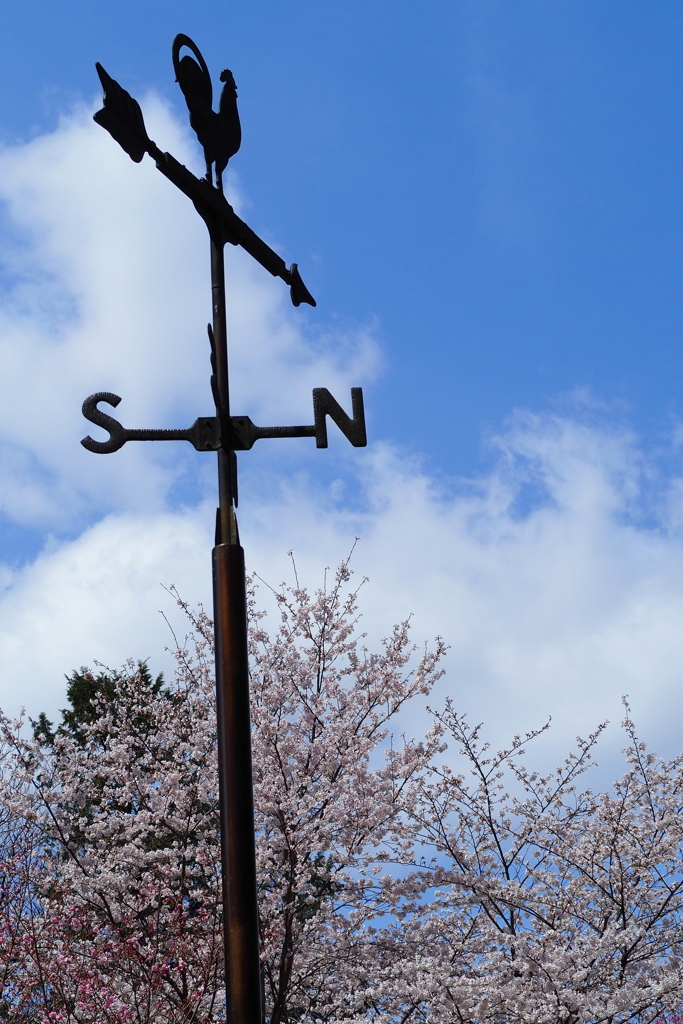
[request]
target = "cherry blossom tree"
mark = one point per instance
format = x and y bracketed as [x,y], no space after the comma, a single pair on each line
[429,881]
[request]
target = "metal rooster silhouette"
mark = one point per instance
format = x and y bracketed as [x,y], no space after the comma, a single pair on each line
[219,133]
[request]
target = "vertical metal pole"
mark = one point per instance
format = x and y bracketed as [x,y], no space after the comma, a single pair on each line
[238,852]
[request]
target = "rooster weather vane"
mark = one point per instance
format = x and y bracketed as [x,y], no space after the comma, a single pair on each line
[220,134]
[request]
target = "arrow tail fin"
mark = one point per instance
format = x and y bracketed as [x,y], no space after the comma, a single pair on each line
[122,117]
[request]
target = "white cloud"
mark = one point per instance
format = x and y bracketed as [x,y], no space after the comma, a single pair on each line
[557,609]
[554,578]
[98,598]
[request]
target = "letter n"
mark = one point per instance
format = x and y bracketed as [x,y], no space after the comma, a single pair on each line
[325,405]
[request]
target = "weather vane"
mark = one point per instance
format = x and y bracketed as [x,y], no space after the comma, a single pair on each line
[219,133]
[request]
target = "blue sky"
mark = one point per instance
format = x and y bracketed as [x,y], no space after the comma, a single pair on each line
[497,185]
[486,200]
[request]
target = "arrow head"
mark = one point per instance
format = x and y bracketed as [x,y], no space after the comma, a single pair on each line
[122,117]
[297,289]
